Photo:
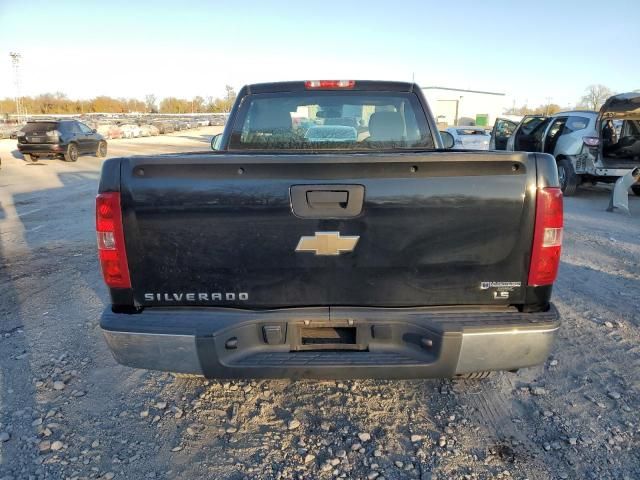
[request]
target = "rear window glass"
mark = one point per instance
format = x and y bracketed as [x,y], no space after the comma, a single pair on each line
[32,127]
[630,128]
[331,120]
[576,123]
[471,131]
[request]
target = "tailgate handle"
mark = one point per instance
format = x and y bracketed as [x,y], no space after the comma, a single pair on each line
[324,198]
[327,201]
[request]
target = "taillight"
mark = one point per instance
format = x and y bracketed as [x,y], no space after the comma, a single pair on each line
[591,141]
[111,248]
[319,84]
[547,237]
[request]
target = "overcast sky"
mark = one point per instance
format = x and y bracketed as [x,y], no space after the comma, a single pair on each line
[529,50]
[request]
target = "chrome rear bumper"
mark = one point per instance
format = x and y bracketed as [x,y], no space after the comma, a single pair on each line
[391,343]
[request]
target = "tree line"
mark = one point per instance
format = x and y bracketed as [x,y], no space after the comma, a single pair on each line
[593,98]
[58,102]
[54,103]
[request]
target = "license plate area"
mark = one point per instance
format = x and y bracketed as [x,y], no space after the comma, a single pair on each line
[326,337]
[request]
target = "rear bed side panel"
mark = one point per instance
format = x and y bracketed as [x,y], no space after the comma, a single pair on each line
[547,170]
[434,227]
[110,176]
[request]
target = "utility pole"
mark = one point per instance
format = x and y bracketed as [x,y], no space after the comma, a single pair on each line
[455,120]
[21,111]
[546,110]
[457,109]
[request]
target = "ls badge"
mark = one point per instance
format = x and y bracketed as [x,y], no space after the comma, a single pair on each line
[327,243]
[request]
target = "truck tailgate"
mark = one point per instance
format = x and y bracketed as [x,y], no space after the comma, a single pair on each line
[437,228]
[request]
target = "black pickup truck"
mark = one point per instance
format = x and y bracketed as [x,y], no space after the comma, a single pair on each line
[330,235]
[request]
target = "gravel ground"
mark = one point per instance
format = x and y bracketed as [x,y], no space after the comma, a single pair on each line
[67,410]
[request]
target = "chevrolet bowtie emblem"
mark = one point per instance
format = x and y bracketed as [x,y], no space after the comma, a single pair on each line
[327,243]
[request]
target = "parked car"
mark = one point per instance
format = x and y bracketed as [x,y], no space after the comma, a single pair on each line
[59,138]
[104,130]
[163,126]
[470,138]
[220,119]
[331,133]
[130,130]
[145,130]
[13,135]
[5,131]
[588,146]
[280,255]
[115,131]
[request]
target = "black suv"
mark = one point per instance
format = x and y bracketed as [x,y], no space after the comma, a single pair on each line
[59,138]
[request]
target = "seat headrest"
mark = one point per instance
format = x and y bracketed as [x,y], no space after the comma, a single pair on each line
[386,126]
[270,120]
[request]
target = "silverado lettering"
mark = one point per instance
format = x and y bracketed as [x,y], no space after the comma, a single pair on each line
[371,248]
[195,297]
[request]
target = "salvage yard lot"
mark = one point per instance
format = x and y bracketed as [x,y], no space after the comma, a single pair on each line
[68,410]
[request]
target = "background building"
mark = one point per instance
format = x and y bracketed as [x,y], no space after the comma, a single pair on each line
[455,106]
